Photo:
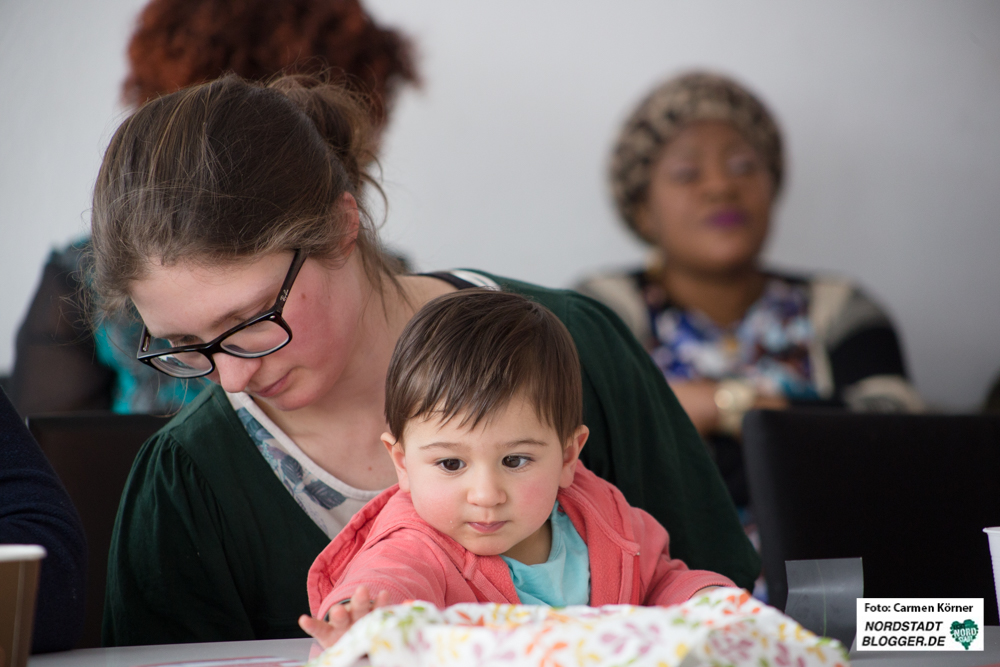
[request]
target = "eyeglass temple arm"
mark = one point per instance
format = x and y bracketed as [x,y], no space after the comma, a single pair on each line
[297,261]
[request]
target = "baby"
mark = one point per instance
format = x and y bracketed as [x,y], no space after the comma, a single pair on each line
[484,406]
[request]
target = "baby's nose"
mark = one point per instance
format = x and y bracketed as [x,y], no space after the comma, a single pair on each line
[486,491]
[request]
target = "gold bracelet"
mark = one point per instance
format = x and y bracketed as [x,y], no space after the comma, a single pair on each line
[733,398]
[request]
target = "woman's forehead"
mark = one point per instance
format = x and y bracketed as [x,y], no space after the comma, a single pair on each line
[192,297]
[705,134]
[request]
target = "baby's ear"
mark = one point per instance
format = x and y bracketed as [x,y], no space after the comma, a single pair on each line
[398,456]
[571,454]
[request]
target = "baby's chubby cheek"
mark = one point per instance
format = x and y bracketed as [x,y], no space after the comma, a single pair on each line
[535,490]
[441,512]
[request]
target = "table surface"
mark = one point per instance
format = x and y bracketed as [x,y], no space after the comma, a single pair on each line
[990,655]
[294,652]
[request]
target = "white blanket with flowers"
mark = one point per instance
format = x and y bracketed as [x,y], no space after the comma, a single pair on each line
[721,627]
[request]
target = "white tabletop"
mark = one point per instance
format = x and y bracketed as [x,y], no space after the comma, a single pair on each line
[990,655]
[291,652]
[294,652]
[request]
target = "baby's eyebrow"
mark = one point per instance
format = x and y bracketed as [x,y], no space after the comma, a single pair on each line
[524,441]
[506,445]
[441,445]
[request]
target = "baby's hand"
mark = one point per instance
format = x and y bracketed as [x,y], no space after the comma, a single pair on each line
[343,616]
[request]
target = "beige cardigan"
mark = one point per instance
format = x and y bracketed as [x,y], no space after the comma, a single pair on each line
[837,309]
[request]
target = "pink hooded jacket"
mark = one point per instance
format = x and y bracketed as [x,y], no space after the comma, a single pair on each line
[387,546]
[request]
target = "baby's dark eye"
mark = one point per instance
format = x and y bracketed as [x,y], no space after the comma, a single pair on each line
[515,461]
[451,465]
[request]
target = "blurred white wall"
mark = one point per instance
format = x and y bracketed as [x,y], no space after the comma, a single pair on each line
[891,112]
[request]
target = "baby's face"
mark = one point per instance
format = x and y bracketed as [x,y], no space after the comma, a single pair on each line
[490,488]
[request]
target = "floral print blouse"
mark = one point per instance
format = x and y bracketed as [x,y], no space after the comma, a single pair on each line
[769,347]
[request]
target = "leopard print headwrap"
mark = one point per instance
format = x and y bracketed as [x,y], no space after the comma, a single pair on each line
[665,111]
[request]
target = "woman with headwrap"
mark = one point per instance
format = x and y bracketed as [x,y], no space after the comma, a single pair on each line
[695,174]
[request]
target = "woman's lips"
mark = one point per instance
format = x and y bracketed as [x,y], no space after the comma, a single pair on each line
[730,217]
[271,390]
[487,528]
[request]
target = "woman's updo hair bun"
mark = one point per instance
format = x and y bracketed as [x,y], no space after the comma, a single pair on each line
[340,115]
[231,170]
[665,111]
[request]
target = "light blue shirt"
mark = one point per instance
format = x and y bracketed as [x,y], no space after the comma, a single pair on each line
[563,579]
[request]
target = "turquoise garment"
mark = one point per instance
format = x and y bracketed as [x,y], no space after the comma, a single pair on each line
[135,388]
[138,388]
[562,580]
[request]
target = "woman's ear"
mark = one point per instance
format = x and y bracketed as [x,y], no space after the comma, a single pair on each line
[398,456]
[644,223]
[571,454]
[352,218]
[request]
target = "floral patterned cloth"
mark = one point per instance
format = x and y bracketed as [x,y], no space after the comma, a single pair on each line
[720,627]
[769,347]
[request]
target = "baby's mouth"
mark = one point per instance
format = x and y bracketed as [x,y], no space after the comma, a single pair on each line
[486,528]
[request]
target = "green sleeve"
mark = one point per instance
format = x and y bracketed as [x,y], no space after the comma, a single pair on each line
[208,544]
[642,441]
[168,576]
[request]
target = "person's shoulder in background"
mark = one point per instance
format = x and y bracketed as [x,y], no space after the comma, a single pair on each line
[621,291]
[858,356]
[35,509]
[68,359]
[55,362]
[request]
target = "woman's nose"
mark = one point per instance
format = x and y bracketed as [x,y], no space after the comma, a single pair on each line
[486,490]
[717,182]
[233,373]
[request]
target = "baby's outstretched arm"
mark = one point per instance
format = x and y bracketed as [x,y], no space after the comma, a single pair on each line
[343,616]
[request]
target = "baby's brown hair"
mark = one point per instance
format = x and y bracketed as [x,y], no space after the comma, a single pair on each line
[472,351]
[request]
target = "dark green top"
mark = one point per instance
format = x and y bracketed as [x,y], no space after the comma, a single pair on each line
[210,546]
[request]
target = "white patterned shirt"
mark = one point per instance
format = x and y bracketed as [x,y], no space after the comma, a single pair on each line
[328,501]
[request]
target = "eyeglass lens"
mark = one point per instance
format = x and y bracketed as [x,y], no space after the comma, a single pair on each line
[255,340]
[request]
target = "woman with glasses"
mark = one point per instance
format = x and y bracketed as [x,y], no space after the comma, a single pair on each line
[231,216]
[60,363]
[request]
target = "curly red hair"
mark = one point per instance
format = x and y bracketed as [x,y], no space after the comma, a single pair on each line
[179,43]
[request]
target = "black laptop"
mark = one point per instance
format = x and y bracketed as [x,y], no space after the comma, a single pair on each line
[909,494]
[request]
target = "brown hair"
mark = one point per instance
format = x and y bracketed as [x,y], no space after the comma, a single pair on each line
[179,43]
[472,351]
[230,170]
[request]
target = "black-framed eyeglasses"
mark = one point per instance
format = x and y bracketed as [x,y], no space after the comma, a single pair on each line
[257,337]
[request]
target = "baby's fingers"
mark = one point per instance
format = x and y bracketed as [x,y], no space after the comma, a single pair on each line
[325,633]
[382,599]
[340,617]
[361,603]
